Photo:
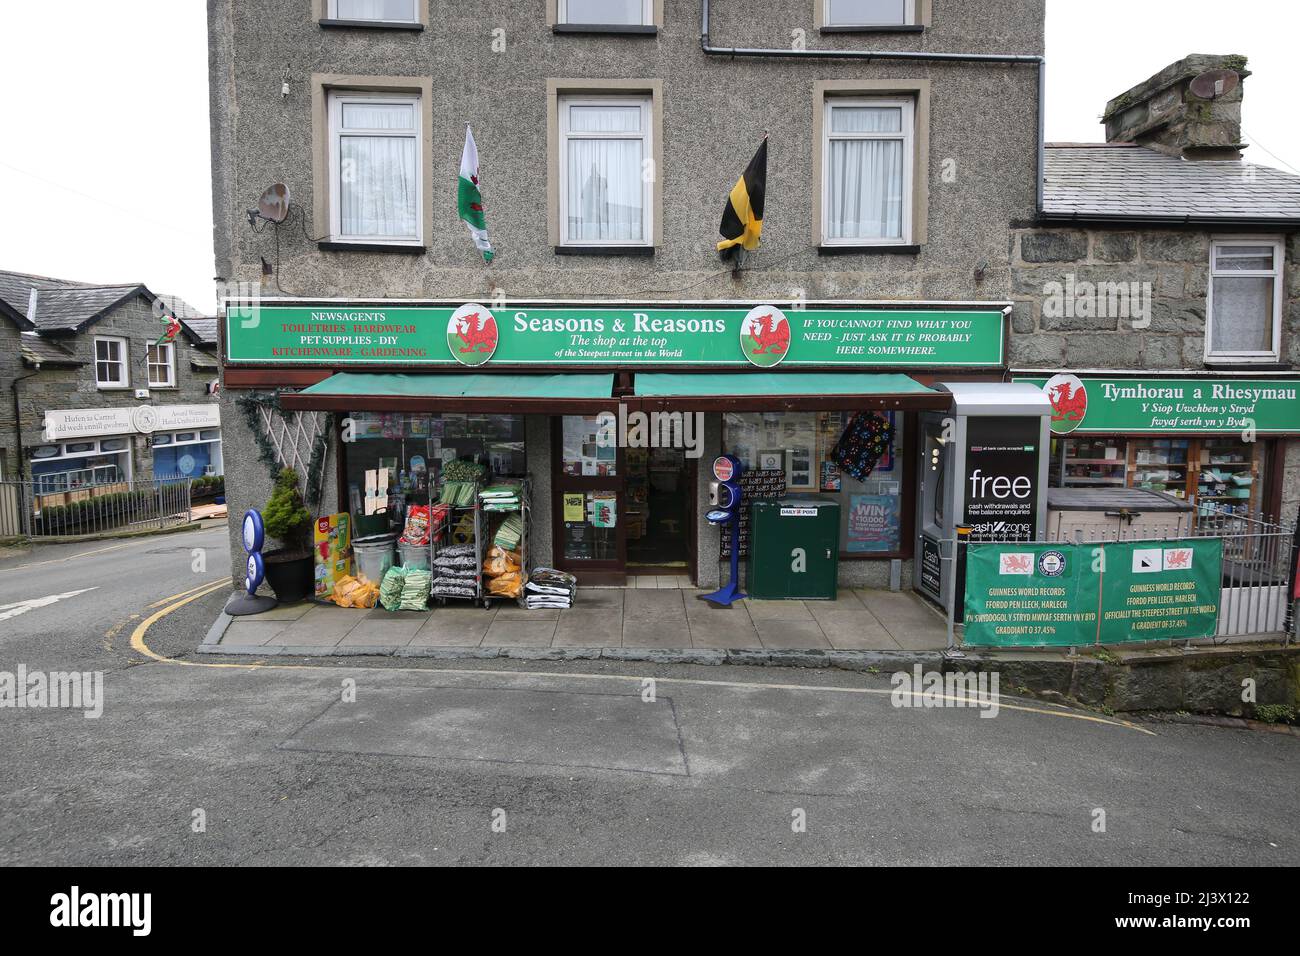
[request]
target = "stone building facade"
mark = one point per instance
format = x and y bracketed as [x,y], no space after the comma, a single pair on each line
[273,66]
[79,428]
[1117,278]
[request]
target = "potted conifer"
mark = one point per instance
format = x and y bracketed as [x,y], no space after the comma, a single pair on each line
[290,569]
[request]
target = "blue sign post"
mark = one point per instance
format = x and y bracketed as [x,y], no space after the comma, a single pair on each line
[250,602]
[725,496]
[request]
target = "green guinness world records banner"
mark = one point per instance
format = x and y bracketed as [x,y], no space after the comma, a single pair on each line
[474,335]
[1020,595]
[1192,405]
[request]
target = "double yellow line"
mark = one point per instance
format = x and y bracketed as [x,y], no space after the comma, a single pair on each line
[203,590]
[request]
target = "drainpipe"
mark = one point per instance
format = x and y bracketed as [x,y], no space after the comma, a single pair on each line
[1028,59]
[18,417]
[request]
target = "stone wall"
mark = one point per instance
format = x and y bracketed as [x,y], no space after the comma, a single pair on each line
[1173,265]
[75,387]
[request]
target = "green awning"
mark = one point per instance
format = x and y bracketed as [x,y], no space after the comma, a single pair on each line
[760,391]
[454,391]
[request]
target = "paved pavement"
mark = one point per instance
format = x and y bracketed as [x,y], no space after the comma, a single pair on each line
[634,617]
[335,761]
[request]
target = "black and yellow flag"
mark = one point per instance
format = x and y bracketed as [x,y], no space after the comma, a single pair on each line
[742,219]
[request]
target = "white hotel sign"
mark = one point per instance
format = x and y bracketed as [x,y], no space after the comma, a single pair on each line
[143,419]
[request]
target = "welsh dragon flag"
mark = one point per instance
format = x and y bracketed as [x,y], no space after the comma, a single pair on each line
[470,200]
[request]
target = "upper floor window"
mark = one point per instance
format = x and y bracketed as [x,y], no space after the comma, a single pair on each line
[1243,315]
[870,13]
[606,12]
[378,11]
[867,172]
[606,188]
[376,192]
[162,365]
[110,362]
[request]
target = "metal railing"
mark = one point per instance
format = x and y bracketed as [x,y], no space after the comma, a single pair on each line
[34,510]
[1259,557]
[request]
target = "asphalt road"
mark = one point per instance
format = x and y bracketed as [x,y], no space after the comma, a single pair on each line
[510,762]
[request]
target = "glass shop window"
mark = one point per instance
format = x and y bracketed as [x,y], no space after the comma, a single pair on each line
[795,452]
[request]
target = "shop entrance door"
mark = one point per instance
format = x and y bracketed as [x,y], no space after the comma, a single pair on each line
[661,491]
[589,484]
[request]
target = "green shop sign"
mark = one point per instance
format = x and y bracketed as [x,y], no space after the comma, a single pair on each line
[1055,595]
[475,335]
[1171,405]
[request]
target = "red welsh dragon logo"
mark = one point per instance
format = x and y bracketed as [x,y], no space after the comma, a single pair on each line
[770,335]
[1069,401]
[478,334]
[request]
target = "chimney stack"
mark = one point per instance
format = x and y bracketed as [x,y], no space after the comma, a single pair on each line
[1190,109]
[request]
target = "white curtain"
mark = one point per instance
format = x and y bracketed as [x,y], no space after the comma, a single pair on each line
[403,10]
[866,189]
[604,12]
[1243,314]
[605,195]
[378,188]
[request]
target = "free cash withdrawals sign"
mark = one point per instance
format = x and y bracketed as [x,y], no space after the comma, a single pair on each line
[765,336]
[1086,405]
[1020,595]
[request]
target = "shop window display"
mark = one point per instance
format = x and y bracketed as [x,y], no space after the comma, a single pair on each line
[794,452]
[395,460]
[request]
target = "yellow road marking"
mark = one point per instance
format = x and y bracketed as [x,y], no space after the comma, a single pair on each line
[182,594]
[137,642]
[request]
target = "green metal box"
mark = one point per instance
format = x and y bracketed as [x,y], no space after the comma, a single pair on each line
[794,548]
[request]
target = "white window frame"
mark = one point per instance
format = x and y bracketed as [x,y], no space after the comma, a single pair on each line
[562,15]
[646,104]
[336,99]
[1277,274]
[169,365]
[332,11]
[909,17]
[908,137]
[124,362]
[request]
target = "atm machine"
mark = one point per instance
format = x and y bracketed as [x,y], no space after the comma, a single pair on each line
[983,465]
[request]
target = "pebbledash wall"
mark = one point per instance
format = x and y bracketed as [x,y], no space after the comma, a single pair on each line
[492,68]
[1175,266]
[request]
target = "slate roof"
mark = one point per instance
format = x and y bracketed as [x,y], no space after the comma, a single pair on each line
[63,305]
[203,328]
[41,351]
[1124,181]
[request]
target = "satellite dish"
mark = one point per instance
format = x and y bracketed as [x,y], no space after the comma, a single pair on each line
[1212,84]
[274,204]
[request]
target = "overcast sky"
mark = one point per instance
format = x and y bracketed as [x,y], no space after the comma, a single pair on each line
[104,164]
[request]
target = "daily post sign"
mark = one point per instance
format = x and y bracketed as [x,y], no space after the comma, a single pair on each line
[765,336]
[1021,595]
[1084,404]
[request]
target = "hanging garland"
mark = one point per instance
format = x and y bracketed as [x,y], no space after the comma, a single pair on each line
[250,404]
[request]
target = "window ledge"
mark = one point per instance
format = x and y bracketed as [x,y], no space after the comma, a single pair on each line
[1257,365]
[882,28]
[390,247]
[371,25]
[645,251]
[868,250]
[616,29]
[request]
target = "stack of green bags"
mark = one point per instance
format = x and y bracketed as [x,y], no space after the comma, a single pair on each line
[415,590]
[458,494]
[510,533]
[391,588]
[503,496]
